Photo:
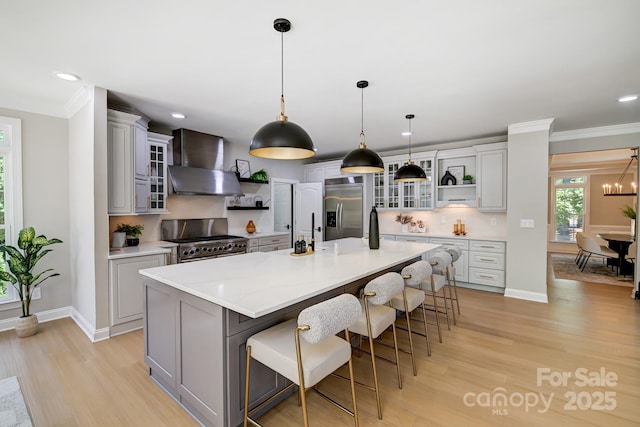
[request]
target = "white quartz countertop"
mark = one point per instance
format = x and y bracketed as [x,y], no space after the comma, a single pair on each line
[256,284]
[493,238]
[141,250]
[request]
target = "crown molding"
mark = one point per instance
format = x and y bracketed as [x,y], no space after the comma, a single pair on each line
[534,126]
[623,129]
[77,101]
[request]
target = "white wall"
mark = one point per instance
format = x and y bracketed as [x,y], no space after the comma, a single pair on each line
[528,174]
[45,167]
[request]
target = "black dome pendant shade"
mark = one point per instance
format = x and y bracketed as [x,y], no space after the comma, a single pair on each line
[362,159]
[410,172]
[282,139]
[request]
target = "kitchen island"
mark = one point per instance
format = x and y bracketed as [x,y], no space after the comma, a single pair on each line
[198,315]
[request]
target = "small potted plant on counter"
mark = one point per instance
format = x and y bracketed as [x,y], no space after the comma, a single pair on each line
[467,179]
[404,220]
[133,233]
[21,262]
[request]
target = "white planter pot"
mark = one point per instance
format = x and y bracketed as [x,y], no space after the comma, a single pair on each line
[118,239]
[27,326]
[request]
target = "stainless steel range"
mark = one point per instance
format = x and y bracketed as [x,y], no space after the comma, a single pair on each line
[200,239]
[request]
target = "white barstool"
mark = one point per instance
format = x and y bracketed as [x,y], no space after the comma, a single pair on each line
[377,318]
[440,263]
[455,253]
[412,298]
[305,362]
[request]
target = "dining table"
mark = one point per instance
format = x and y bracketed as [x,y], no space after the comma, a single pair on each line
[620,243]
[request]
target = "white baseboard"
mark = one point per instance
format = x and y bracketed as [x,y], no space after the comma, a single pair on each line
[93,334]
[526,295]
[43,316]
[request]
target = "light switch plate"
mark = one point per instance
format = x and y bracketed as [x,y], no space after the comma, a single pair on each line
[526,223]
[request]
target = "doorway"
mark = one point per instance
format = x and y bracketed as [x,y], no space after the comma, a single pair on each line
[282,196]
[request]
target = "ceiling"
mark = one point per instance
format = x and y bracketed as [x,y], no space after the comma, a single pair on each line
[466,68]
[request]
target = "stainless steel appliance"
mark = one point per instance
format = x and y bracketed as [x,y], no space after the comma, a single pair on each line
[343,207]
[200,239]
[197,165]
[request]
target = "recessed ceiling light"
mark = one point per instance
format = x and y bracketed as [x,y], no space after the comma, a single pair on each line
[178,115]
[68,77]
[628,98]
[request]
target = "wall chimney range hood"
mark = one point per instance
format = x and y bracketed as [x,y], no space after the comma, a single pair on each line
[198,165]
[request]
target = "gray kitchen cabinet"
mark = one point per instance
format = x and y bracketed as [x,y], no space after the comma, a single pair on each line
[492,177]
[127,189]
[125,291]
[388,194]
[486,263]
[156,152]
[460,162]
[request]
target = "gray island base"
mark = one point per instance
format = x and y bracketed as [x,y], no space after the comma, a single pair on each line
[198,316]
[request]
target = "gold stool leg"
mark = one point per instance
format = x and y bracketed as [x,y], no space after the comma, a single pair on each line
[395,346]
[246,386]
[426,329]
[373,358]
[303,395]
[353,383]
[406,312]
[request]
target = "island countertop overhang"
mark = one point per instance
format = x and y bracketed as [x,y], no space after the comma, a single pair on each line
[260,283]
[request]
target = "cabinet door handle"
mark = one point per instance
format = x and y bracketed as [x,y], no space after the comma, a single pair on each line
[484,276]
[487,259]
[488,247]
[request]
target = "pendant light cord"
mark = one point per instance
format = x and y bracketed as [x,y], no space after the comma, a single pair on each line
[362,142]
[282,65]
[410,141]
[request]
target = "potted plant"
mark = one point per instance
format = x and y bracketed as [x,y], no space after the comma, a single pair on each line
[133,233]
[467,179]
[404,220]
[21,261]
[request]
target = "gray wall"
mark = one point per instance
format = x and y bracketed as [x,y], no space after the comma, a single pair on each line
[45,179]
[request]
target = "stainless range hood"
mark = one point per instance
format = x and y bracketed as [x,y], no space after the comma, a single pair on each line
[198,162]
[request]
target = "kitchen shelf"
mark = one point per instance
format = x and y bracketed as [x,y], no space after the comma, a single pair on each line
[247,208]
[252,181]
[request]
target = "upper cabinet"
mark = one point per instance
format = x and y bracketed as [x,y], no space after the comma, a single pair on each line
[388,194]
[453,165]
[157,148]
[492,177]
[486,164]
[136,166]
[318,172]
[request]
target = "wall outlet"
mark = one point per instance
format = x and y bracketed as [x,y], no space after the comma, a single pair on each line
[494,221]
[526,223]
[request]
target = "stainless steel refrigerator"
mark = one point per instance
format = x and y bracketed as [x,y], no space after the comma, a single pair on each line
[343,207]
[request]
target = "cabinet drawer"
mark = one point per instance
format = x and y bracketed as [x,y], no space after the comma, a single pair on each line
[462,244]
[487,246]
[483,276]
[492,260]
[253,243]
[274,240]
[418,239]
[388,236]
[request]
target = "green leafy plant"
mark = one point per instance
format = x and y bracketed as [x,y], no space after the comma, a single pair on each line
[628,211]
[21,263]
[467,178]
[134,231]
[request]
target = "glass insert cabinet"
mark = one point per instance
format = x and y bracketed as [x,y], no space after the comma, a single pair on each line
[388,194]
[157,151]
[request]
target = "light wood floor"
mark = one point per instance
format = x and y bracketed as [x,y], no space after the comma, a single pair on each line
[498,342]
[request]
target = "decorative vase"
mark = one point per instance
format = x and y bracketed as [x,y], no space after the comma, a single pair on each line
[374,230]
[27,326]
[404,228]
[448,179]
[251,227]
[133,241]
[118,239]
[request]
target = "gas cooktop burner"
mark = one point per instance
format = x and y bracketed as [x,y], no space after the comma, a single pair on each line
[204,239]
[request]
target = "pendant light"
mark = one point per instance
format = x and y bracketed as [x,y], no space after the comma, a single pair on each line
[617,190]
[410,172]
[282,139]
[362,160]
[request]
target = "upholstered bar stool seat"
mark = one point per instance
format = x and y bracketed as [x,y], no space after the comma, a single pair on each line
[307,350]
[414,299]
[378,316]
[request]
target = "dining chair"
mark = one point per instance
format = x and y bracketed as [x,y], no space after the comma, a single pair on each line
[592,248]
[306,351]
[631,253]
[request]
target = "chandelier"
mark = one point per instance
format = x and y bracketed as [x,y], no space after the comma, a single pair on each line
[616,189]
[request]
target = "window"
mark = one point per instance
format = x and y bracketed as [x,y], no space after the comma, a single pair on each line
[10,192]
[568,200]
